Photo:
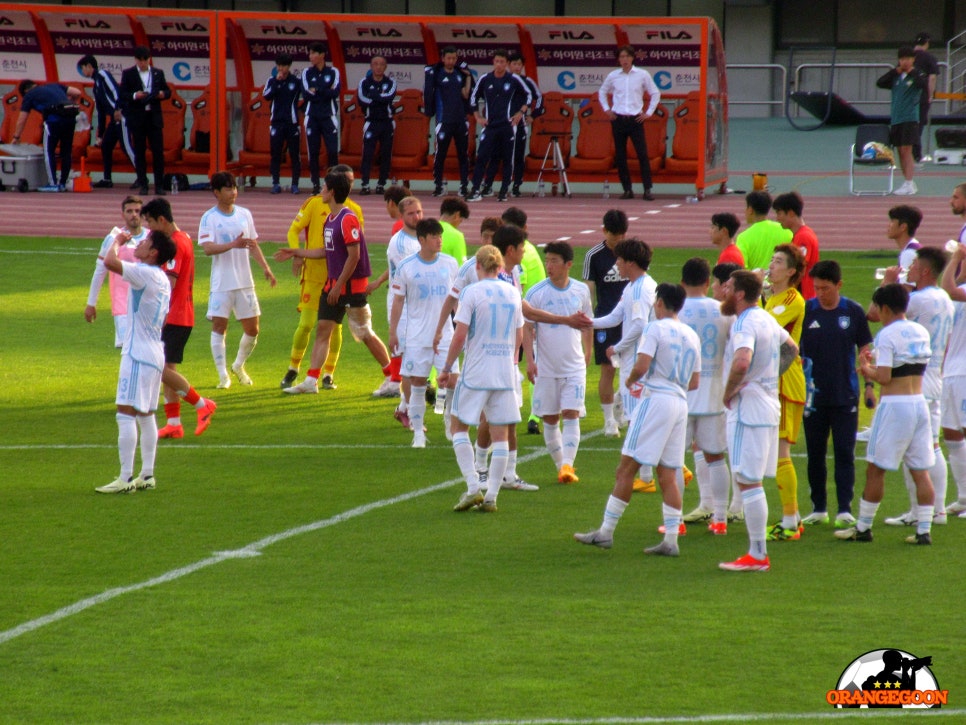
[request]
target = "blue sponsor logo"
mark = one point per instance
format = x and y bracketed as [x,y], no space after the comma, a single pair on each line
[663,80]
[567,80]
[182,71]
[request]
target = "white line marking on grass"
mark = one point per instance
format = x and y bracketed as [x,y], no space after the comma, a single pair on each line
[563,239]
[830,714]
[589,231]
[46,251]
[653,211]
[249,550]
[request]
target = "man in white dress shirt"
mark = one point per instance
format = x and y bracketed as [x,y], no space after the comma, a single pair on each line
[626,87]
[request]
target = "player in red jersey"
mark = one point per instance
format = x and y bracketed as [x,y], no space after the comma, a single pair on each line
[178,324]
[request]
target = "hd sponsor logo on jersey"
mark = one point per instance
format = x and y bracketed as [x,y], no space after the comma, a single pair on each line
[888,678]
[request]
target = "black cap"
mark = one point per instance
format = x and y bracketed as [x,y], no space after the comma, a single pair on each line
[923,38]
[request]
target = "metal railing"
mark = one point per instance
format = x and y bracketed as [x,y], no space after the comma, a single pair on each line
[783,72]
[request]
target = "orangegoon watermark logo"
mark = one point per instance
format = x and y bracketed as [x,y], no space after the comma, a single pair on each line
[887,678]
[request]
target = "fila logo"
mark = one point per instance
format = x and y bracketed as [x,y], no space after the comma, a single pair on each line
[570,35]
[5,20]
[282,30]
[184,27]
[81,23]
[378,32]
[668,35]
[471,33]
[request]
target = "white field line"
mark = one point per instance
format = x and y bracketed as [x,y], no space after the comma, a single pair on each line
[829,714]
[252,549]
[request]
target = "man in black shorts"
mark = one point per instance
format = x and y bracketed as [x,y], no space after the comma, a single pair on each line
[345,289]
[606,285]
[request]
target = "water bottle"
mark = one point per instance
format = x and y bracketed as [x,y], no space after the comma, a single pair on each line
[880,272]
[952,245]
[810,388]
[541,189]
[440,404]
[175,187]
[606,189]
[691,199]
[445,187]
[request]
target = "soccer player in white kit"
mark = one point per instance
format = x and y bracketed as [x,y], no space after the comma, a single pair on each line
[669,363]
[954,366]
[420,286]
[757,353]
[557,358]
[142,357]
[706,418]
[403,244]
[931,307]
[227,235]
[901,430]
[489,322]
[632,312]
[135,232]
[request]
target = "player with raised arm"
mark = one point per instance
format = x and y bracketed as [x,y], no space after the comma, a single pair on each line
[142,358]
[345,289]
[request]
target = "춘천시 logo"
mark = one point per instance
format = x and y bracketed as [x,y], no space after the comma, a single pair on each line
[887,678]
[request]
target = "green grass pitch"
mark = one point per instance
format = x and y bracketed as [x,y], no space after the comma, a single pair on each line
[300,563]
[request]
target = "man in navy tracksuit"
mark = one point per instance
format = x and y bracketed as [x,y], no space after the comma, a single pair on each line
[321,87]
[522,140]
[107,97]
[506,99]
[56,103]
[376,93]
[446,93]
[283,89]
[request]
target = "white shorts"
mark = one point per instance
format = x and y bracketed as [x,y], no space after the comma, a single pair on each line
[419,362]
[954,403]
[243,302]
[551,396]
[501,406]
[120,330]
[752,449]
[138,385]
[709,432]
[901,433]
[657,431]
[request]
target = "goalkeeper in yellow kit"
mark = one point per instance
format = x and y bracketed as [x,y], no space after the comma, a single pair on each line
[312,274]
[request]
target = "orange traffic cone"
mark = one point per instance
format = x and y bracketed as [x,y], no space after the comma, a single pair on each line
[83,182]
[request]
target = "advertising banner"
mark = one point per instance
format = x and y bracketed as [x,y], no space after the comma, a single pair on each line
[400,43]
[670,53]
[108,37]
[266,38]
[574,58]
